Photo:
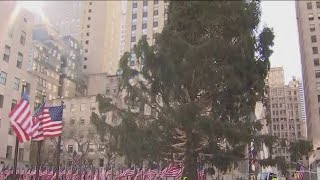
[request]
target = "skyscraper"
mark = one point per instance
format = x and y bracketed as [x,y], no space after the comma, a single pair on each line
[308,20]
[285,109]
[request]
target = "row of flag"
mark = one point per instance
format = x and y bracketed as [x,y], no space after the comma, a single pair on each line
[75,174]
[45,122]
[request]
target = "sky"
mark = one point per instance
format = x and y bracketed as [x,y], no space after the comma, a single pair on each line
[281,16]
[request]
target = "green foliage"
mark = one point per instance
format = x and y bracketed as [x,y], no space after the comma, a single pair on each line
[201,79]
[299,148]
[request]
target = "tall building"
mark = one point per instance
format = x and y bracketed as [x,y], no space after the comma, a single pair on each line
[64,16]
[285,109]
[143,18]
[308,19]
[101,26]
[56,62]
[15,41]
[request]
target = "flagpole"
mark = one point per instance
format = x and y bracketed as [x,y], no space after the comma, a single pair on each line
[39,148]
[58,152]
[16,149]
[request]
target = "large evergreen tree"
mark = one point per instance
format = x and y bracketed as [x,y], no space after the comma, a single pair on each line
[201,79]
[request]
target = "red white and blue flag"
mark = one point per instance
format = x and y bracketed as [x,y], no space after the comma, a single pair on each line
[21,120]
[48,122]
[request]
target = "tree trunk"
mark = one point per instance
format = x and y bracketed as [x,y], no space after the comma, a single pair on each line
[190,160]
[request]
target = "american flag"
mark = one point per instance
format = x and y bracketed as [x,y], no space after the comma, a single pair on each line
[299,171]
[48,122]
[21,120]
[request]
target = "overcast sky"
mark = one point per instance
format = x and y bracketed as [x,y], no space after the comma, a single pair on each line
[281,16]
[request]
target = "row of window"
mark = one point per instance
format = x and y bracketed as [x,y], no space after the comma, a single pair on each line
[6,56]
[309,5]
[22,35]
[10,151]
[83,107]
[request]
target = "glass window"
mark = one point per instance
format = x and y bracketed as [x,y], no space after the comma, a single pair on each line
[23,37]
[82,120]
[317,74]
[144,26]
[145,2]
[70,148]
[311,17]
[133,39]
[90,10]
[9,152]
[318,4]
[156,2]
[72,107]
[10,31]
[155,24]
[155,12]
[6,54]
[19,60]
[316,62]
[144,14]
[315,50]
[135,5]
[92,105]
[134,16]
[309,5]
[82,107]
[16,83]
[3,77]
[21,153]
[72,121]
[312,27]
[133,27]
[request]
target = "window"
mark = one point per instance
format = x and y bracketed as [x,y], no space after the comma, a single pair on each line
[85,58]
[84,66]
[135,5]
[155,24]
[309,5]
[90,10]
[9,152]
[133,39]
[87,41]
[23,38]
[315,50]
[88,34]
[10,31]
[90,3]
[13,103]
[82,107]
[3,77]
[21,152]
[134,16]
[144,14]
[318,98]
[25,20]
[144,26]
[89,18]
[316,62]
[318,15]
[19,60]
[86,51]
[145,2]
[72,107]
[312,27]
[133,27]
[1,100]
[311,17]
[82,120]
[16,84]
[101,162]
[88,26]
[313,38]
[70,149]
[318,4]
[156,2]
[72,121]
[155,12]
[92,106]
[6,54]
